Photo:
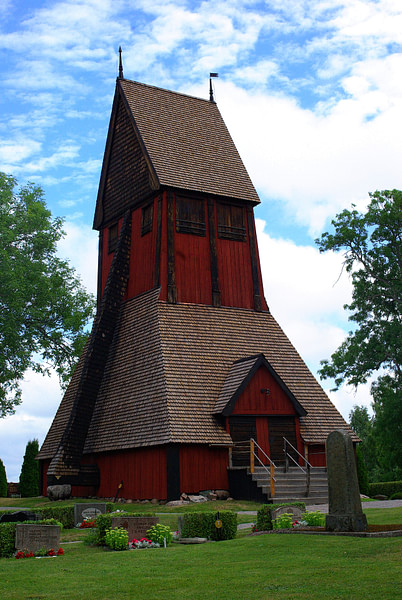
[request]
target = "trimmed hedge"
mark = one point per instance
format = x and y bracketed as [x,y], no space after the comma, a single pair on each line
[202,524]
[385,488]
[7,535]
[264,515]
[7,539]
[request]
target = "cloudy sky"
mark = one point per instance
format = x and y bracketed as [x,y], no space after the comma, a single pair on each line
[310,90]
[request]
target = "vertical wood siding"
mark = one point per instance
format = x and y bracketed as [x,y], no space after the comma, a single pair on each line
[107,257]
[203,468]
[142,470]
[253,401]
[142,254]
[235,276]
[316,455]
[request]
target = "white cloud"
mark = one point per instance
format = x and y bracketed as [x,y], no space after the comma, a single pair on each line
[80,247]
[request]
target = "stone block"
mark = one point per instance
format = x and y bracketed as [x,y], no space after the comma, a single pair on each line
[88,511]
[137,527]
[31,537]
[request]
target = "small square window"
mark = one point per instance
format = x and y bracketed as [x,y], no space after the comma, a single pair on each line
[147,217]
[113,234]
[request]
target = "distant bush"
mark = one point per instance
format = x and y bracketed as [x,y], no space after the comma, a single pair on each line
[64,514]
[29,477]
[7,539]
[104,522]
[386,488]
[264,515]
[203,524]
[3,480]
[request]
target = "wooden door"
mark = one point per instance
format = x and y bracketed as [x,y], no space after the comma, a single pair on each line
[241,430]
[278,428]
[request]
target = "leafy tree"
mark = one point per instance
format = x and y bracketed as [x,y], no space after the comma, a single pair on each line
[363,425]
[371,242]
[3,481]
[29,477]
[43,307]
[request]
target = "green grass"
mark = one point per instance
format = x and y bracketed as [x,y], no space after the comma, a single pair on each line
[274,567]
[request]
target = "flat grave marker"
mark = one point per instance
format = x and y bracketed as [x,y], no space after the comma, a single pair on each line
[31,537]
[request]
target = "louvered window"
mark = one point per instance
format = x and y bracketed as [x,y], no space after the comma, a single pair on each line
[231,224]
[146,220]
[112,237]
[190,216]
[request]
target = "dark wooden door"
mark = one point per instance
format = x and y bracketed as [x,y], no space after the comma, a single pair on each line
[278,428]
[241,430]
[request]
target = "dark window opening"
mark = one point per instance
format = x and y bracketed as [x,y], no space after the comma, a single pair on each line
[147,217]
[112,237]
[190,216]
[231,225]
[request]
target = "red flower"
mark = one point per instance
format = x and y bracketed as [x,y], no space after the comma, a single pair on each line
[60,552]
[19,554]
[51,552]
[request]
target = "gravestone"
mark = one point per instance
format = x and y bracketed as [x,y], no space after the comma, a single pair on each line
[345,508]
[20,516]
[88,511]
[293,510]
[137,527]
[31,537]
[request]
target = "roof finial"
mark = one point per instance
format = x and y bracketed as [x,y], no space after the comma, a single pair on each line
[211,91]
[121,76]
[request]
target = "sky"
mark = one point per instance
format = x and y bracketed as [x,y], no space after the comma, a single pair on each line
[310,91]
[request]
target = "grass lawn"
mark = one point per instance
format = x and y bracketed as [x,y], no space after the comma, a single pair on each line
[259,567]
[269,567]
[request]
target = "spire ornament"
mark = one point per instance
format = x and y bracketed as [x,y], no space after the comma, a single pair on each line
[121,76]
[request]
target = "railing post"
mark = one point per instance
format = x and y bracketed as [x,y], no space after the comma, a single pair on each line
[286,456]
[308,481]
[230,457]
[251,456]
[272,482]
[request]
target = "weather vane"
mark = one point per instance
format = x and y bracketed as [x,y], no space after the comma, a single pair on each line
[211,91]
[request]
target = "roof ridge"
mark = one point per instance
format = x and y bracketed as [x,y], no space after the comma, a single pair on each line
[157,87]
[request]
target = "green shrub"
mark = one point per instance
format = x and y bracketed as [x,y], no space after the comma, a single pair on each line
[104,522]
[29,477]
[158,533]
[397,496]
[386,488]
[64,514]
[314,518]
[283,521]
[264,515]
[117,538]
[7,539]
[202,524]
[3,481]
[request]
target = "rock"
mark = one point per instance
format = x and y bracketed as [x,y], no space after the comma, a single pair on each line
[222,494]
[154,501]
[184,496]
[212,496]
[197,499]
[177,503]
[129,501]
[59,492]
[230,498]
[380,497]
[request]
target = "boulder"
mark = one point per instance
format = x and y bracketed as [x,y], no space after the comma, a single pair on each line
[59,492]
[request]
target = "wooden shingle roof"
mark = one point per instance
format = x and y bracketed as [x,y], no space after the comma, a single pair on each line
[167,368]
[184,141]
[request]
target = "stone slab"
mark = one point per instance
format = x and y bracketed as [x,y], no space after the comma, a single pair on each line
[137,527]
[88,510]
[19,516]
[32,537]
[293,510]
[193,540]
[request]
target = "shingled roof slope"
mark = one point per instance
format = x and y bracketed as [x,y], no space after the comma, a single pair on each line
[200,344]
[187,142]
[167,368]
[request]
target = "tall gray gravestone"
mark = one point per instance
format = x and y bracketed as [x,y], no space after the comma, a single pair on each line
[345,508]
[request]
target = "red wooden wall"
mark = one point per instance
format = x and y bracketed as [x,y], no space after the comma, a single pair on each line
[253,401]
[203,468]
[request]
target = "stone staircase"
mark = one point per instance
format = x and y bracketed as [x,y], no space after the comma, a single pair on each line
[291,486]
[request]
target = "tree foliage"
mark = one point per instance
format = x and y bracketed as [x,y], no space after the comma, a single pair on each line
[29,477]
[3,480]
[371,242]
[43,307]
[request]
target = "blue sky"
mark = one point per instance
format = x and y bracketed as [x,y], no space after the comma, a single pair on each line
[309,89]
